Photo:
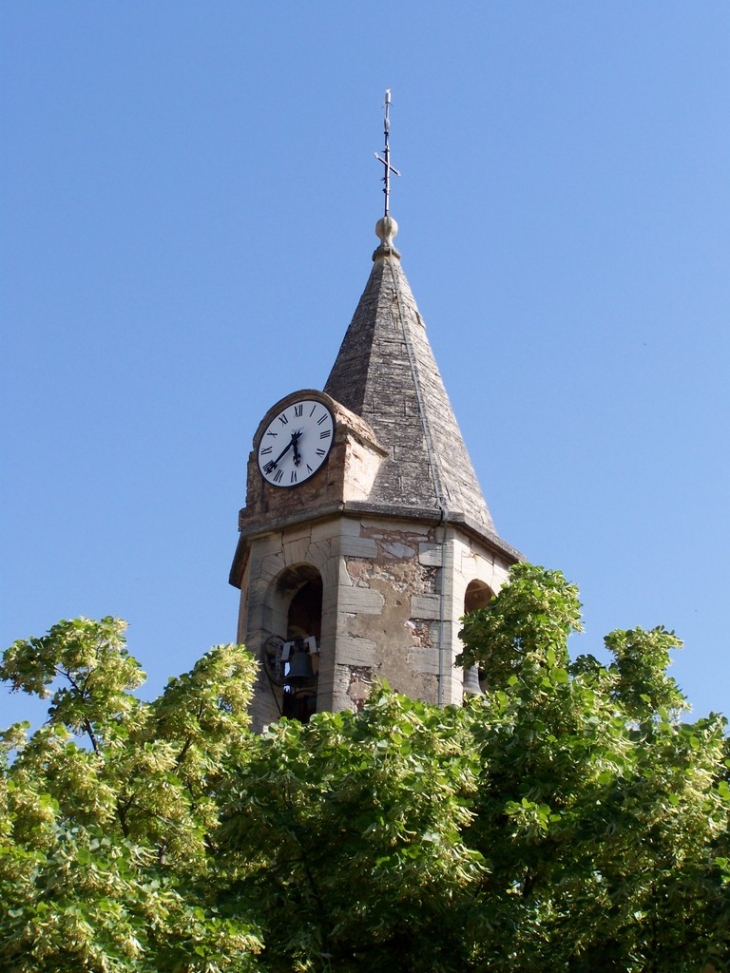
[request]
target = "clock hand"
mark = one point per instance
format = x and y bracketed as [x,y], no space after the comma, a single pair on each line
[297,455]
[272,464]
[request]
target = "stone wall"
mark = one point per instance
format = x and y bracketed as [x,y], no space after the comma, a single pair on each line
[393,595]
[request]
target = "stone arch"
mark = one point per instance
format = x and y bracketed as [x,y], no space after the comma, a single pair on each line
[298,590]
[294,603]
[478,594]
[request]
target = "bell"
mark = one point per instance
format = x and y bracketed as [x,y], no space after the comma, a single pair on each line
[471,682]
[300,670]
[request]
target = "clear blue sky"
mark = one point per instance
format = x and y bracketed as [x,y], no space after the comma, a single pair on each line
[188,201]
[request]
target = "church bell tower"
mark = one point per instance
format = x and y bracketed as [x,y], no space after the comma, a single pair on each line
[365,536]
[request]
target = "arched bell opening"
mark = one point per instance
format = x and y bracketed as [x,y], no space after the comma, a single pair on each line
[478,595]
[304,617]
[291,656]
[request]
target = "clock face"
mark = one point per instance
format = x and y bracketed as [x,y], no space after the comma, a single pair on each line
[296,443]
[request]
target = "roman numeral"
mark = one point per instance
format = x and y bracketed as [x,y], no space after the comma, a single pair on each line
[266,450]
[270,467]
[322,419]
[310,468]
[283,420]
[298,409]
[321,452]
[293,476]
[314,407]
[279,475]
[325,434]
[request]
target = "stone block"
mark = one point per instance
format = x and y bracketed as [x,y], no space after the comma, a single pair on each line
[269,567]
[430,555]
[363,547]
[398,550]
[378,526]
[356,652]
[319,553]
[257,594]
[360,600]
[295,551]
[424,660]
[331,598]
[334,573]
[350,526]
[343,576]
[325,530]
[425,606]
[268,544]
[298,533]
[438,631]
[340,684]
[452,692]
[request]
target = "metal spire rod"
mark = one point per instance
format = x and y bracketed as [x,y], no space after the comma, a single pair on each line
[385,158]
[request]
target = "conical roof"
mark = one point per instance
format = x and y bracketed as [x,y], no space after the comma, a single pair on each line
[386,372]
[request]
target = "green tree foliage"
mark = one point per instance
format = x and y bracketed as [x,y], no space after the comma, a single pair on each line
[106,842]
[350,838]
[603,817]
[567,821]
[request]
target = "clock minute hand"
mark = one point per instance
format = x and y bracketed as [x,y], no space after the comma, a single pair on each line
[272,464]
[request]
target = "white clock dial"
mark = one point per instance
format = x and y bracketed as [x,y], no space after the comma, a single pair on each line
[296,443]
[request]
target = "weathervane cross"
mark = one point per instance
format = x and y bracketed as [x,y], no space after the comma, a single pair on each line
[385,157]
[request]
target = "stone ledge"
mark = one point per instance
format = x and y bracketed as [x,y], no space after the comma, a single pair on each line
[356,509]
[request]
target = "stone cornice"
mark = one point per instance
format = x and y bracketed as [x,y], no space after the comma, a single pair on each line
[357,510]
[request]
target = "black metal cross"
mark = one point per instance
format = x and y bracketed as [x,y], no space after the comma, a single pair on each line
[385,158]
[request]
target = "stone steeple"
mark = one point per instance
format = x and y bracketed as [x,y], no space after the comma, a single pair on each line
[386,373]
[365,536]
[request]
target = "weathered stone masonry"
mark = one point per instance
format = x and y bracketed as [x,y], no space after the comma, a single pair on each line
[384,613]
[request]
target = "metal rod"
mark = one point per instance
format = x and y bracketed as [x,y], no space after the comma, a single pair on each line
[385,158]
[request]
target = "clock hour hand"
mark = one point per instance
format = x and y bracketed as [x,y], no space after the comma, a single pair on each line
[294,441]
